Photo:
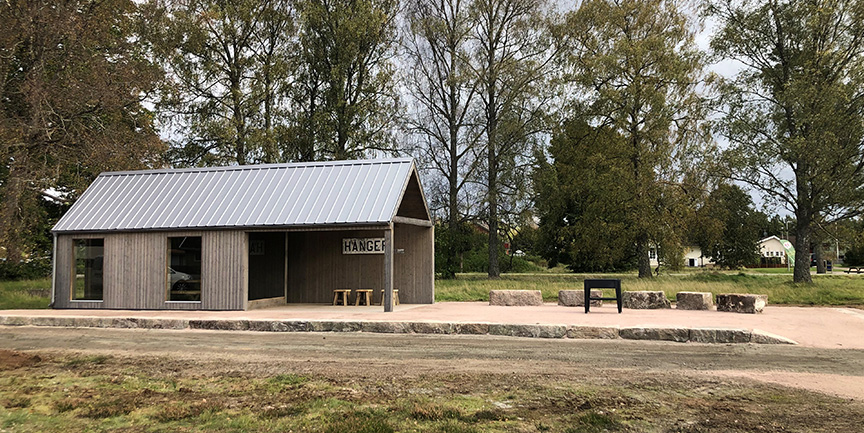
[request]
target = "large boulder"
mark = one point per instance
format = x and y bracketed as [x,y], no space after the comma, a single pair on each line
[645,300]
[576,298]
[741,303]
[694,301]
[515,298]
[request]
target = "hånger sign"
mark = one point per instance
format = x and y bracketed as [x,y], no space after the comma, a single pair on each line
[363,246]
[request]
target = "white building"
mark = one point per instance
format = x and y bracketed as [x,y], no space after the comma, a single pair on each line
[692,257]
[773,246]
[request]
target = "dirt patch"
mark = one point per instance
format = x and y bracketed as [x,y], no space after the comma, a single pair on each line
[11,359]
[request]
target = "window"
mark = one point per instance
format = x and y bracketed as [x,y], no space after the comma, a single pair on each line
[184,269]
[652,254]
[87,278]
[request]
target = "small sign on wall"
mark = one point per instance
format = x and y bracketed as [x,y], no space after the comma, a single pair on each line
[363,246]
[256,248]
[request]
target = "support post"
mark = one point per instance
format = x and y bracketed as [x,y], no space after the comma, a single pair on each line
[388,269]
[54,271]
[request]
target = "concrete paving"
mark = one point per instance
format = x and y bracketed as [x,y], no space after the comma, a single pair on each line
[813,327]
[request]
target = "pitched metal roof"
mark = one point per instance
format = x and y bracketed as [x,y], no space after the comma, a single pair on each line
[279,195]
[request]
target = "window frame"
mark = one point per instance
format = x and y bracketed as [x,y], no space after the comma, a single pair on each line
[74,270]
[167,270]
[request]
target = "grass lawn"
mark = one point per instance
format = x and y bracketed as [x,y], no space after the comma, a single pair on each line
[96,393]
[25,294]
[832,289]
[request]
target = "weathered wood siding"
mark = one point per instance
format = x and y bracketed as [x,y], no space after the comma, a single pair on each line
[134,268]
[225,268]
[316,265]
[135,271]
[414,273]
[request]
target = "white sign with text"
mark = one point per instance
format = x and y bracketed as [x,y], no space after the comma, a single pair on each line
[363,246]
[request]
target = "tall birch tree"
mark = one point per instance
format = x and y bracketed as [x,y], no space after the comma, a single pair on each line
[445,99]
[512,54]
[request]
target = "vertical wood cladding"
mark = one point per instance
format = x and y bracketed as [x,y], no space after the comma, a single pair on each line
[135,268]
[135,271]
[316,265]
[414,273]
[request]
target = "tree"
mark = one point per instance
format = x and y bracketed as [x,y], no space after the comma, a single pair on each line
[347,87]
[727,228]
[512,55]
[444,96]
[638,67]
[72,80]
[581,202]
[226,62]
[793,115]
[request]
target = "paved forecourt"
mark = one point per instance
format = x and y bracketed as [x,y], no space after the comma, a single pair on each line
[808,326]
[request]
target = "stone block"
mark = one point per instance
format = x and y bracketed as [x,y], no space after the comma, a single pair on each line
[593,332]
[471,328]
[762,337]
[16,321]
[680,335]
[220,325]
[719,335]
[534,331]
[432,328]
[387,327]
[515,298]
[334,326]
[741,303]
[163,323]
[279,325]
[645,300]
[576,298]
[694,301]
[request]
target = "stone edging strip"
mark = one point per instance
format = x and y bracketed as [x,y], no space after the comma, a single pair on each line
[681,335]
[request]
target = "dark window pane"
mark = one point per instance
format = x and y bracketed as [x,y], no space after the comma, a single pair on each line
[184,268]
[87,281]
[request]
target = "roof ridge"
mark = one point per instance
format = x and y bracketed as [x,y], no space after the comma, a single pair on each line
[251,167]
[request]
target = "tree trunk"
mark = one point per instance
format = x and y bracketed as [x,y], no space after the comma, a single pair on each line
[801,274]
[642,258]
[453,177]
[819,256]
[494,270]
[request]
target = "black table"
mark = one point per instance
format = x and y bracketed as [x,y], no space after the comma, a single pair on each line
[602,284]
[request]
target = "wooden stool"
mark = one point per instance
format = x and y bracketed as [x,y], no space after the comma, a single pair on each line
[341,295]
[365,294]
[395,297]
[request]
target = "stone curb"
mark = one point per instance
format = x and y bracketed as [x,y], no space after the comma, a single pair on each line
[677,334]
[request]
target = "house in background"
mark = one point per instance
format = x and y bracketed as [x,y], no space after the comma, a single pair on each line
[233,238]
[775,251]
[693,257]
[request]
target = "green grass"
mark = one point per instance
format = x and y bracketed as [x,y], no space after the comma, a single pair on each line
[836,289]
[26,294]
[57,394]
[832,289]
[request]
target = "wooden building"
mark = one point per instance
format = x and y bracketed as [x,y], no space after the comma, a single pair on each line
[234,238]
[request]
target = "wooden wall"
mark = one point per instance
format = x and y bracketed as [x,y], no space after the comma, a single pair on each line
[414,273]
[134,268]
[135,271]
[316,265]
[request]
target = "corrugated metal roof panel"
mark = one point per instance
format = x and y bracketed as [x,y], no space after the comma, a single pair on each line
[322,193]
